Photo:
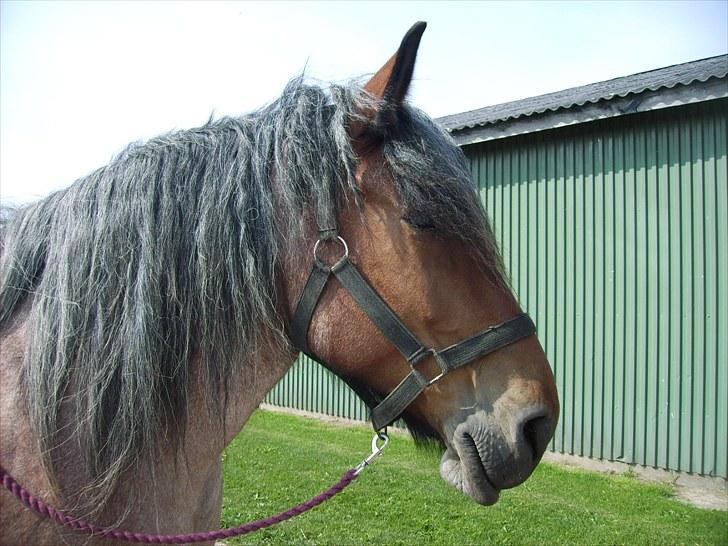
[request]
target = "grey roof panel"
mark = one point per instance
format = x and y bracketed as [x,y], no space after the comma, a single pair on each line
[653,80]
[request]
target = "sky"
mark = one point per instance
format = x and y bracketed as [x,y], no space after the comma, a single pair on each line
[81,80]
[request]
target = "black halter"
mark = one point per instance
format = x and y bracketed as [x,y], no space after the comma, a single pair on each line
[367,298]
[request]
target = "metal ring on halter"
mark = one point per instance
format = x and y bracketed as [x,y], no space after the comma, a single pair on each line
[316,246]
[376,450]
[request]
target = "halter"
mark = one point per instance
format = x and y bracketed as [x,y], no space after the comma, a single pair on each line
[381,314]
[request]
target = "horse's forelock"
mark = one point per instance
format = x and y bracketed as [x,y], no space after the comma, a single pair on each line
[433,180]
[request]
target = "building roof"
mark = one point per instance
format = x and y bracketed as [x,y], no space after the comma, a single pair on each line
[694,81]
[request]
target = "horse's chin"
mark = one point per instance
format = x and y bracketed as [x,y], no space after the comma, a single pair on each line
[479,460]
[467,474]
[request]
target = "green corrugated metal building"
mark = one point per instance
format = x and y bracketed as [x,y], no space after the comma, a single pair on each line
[610,203]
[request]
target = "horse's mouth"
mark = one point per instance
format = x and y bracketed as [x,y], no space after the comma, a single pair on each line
[463,469]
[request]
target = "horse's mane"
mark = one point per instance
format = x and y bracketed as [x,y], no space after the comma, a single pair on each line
[171,251]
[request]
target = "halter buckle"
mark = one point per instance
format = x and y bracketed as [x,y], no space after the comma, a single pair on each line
[421,355]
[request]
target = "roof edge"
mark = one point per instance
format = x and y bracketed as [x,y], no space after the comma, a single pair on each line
[666,97]
[669,81]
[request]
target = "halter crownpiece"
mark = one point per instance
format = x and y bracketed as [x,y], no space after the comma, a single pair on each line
[386,320]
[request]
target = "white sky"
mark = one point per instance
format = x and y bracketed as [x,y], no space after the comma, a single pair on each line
[78,81]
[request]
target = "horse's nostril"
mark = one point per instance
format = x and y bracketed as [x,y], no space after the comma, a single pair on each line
[536,433]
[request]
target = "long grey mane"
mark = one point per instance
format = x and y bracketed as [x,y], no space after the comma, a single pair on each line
[171,251]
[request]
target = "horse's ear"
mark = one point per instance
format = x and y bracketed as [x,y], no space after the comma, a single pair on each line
[392,81]
[390,84]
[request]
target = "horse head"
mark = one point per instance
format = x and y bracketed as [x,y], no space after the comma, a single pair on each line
[418,238]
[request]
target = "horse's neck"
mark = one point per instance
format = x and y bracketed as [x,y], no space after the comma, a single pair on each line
[187,484]
[263,369]
[182,492]
[179,492]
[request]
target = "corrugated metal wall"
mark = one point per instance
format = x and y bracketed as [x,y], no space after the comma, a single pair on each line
[311,387]
[616,236]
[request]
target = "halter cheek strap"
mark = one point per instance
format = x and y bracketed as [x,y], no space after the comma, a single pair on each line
[386,320]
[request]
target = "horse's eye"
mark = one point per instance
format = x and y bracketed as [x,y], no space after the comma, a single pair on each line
[420,223]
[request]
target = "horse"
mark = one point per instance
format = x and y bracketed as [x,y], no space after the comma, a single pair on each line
[147,309]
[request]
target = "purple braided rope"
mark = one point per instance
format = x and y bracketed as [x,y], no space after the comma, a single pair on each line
[90,529]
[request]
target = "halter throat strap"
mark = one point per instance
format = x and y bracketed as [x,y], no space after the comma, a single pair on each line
[387,321]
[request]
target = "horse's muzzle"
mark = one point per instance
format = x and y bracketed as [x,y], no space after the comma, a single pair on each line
[482,458]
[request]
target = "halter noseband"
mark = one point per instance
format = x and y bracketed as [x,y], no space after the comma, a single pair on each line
[369,301]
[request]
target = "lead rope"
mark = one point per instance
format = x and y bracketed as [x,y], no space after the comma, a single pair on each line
[379,442]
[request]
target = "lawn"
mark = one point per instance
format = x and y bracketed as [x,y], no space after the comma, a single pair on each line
[280,460]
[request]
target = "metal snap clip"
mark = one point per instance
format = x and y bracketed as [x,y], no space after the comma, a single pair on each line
[380,436]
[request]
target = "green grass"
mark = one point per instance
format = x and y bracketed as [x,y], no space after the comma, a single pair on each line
[280,460]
